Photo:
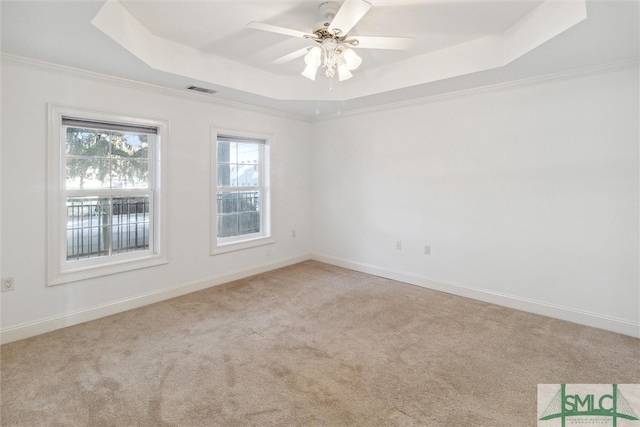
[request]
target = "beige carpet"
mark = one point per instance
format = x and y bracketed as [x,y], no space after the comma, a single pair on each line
[306,345]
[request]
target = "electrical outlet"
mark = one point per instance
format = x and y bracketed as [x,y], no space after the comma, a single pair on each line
[399,245]
[427,249]
[8,284]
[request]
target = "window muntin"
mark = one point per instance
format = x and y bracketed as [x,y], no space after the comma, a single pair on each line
[105,198]
[241,192]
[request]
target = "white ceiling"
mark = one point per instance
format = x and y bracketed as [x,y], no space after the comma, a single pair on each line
[218,28]
[459,45]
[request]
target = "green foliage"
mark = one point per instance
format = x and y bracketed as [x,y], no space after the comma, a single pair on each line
[106,155]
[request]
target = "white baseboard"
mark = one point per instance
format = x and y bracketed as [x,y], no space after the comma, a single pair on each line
[595,320]
[27,330]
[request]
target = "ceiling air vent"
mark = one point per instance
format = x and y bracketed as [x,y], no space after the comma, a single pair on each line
[201,89]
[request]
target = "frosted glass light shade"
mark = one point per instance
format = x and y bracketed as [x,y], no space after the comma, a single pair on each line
[343,72]
[310,72]
[352,59]
[314,57]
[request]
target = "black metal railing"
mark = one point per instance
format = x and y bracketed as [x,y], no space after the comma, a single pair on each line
[238,213]
[102,226]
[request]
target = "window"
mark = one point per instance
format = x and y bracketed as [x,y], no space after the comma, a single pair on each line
[241,189]
[106,201]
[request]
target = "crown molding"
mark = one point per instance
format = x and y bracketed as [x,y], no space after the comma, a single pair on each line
[134,84]
[520,83]
[531,81]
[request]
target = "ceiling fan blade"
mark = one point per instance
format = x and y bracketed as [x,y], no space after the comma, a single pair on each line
[348,16]
[291,56]
[280,30]
[365,42]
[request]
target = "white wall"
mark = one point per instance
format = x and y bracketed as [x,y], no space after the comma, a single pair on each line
[34,306]
[528,196]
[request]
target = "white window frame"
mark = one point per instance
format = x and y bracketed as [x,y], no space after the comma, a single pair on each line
[265,237]
[59,269]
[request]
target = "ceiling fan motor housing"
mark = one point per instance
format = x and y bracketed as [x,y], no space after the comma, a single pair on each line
[328,9]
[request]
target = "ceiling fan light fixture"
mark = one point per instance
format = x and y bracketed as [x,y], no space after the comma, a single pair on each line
[310,72]
[351,59]
[314,57]
[343,72]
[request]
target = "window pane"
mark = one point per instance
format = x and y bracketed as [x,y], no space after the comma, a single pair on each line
[87,142]
[248,175]
[102,226]
[129,174]
[130,146]
[227,175]
[106,159]
[227,203]
[249,222]
[248,201]
[248,153]
[227,152]
[87,173]
[130,231]
[224,152]
[88,227]
[227,225]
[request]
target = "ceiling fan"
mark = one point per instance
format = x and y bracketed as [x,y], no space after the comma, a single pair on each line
[333,49]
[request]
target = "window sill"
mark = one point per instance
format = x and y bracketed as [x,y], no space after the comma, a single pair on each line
[105,269]
[222,248]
